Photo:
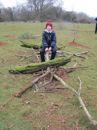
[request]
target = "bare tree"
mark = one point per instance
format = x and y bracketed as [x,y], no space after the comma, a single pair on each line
[7,14]
[1,6]
[38,6]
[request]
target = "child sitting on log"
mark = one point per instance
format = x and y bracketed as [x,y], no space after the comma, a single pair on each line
[48,42]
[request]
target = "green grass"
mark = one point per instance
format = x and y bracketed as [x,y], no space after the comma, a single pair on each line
[58,110]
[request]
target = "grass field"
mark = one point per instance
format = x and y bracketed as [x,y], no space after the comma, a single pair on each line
[47,110]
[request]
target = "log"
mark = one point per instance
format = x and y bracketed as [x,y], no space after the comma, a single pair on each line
[34,46]
[29,45]
[35,67]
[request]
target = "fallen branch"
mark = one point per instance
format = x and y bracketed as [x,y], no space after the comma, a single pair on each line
[53,89]
[29,86]
[77,93]
[19,94]
[65,84]
[71,69]
[78,54]
[29,45]
[45,84]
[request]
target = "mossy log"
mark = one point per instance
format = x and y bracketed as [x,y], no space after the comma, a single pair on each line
[35,67]
[29,45]
[34,46]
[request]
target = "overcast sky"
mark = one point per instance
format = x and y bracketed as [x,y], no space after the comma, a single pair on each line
[87,6]
[11,3]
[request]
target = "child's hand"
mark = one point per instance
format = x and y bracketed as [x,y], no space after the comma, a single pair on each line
[46,49]
[50,48]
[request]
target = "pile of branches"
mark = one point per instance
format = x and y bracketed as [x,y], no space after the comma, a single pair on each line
[49,68]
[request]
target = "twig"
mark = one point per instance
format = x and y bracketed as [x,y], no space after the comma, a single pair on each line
[46,83]
[65,84]
[80,85]
[36,88]
[51,78]
[75,64]
[84,52]
[78,54]
[71,69]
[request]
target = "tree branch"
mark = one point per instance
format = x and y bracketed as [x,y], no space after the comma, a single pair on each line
[21,92]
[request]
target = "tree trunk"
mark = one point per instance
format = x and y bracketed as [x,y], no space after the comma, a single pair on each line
[35,67]
[29,45]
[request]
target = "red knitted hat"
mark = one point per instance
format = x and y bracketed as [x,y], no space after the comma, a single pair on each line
[49,23]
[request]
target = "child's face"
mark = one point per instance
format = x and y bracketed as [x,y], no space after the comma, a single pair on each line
[49,28]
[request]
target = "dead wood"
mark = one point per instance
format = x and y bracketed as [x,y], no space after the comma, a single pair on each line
[29,86]
[77,54]
[71,69]
[35,67]
[29,45]
[77,93]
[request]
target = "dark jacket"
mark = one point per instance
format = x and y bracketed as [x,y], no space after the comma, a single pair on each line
[48,39]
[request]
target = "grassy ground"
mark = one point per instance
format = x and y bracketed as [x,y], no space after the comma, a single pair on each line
[54,110]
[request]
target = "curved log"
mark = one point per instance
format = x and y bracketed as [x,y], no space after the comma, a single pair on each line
[35,67]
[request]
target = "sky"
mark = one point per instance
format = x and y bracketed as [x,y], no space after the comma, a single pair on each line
[8,3]
[86,6]
[11,3]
